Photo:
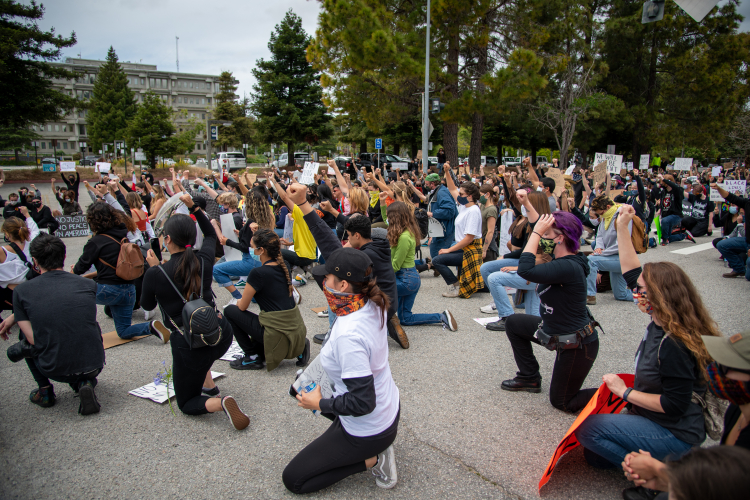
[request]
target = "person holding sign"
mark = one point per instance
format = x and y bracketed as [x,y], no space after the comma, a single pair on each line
[72,182]
[365,407]
[670,366]
[736,251]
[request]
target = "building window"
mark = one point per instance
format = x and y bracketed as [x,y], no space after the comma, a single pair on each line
[49,127]
[143,81]
[44,145]
[92,78]
[64,145]
[209,100]
[151,82]
[174,100]
[191,85]
[81,129]
[64,128]
[203,116]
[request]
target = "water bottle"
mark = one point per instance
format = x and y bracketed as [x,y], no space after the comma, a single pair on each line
[305,384]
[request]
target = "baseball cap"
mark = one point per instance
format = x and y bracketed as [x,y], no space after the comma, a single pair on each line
[732,352]
[433,177]
[346,264]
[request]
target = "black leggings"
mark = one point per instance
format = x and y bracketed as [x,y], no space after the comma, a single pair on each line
[292,259]
[190,366]
[248,332]
[571,365]
[334,456]
[695,226]
[6,299]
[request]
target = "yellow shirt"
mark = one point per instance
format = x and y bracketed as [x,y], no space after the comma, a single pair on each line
[304,243]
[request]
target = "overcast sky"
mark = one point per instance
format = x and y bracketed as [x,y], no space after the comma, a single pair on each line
[215,35]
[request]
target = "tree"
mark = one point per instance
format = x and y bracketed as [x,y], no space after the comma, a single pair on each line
[151,128]
[739,136]
[288,98]
[112,104]
[227,109]
[26,75]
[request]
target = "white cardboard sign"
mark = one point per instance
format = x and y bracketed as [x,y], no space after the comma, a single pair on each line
[569,170]
[103,167]
[308,172]
[506,220]
[643,163]
[715,171]
[733,186]
[399,166]
[683,163]
[614,162]
[67,166]
[227,229]
[158,393]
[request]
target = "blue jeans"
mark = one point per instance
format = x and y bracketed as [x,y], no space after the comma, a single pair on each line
[734,250]
[279,232]
[407,285]
[121,299]
[610,263]
[667,224]
[497,283]
[607,438]
[436,246]
[441,263]
[222,272]
[495,266]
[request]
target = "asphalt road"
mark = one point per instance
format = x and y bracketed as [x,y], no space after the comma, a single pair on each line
[460,435]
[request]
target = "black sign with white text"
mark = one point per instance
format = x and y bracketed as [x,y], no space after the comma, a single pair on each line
[71,226]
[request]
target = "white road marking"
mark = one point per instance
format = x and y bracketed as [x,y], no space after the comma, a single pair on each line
[694,249]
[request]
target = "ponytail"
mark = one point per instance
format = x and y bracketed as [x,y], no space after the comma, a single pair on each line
[181,230]
[372,291]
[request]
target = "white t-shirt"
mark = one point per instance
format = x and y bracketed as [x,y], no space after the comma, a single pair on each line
[469,221]
[358,347]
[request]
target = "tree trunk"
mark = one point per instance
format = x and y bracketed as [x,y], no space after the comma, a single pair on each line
[363,146]
[396,149]
[475,147]
[289,154]
[414,150]
[533,145]
[18,161]
[450,130]
[585,162]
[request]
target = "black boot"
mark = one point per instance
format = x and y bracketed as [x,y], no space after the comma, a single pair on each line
[20,350]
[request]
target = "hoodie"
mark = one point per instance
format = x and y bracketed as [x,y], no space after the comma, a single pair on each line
[379,251]
[561,286]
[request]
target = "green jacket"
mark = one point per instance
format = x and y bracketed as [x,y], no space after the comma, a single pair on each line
[284,336]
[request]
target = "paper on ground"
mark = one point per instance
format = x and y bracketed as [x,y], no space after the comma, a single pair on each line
[234,350]
[158,393]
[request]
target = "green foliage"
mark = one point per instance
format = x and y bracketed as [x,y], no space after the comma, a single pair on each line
[151,128]
[112,104]
[287,99]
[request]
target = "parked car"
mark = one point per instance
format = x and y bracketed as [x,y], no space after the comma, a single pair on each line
[201,161]
[49,159]
[541,160]
[489,161]
[229,161]
[343,162]
[283,160]
[89,161]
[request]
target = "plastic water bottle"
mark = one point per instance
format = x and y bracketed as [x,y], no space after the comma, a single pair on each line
[305,384]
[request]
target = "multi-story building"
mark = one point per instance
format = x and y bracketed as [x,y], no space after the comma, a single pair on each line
[191,92]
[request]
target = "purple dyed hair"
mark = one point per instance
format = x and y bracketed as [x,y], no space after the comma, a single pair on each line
[571,228]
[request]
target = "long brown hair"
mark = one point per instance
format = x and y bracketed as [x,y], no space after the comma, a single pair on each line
[372,291]
[401,219]
[101,217]
[401,193]
[258,210]
[679,308]
[16,229]
[540,204]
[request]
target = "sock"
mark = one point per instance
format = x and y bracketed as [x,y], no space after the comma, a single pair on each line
[253,357]
[236,294]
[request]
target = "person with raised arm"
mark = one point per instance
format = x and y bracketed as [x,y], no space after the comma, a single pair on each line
[736,251]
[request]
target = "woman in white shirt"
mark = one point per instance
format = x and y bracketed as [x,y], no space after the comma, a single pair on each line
[365,405]
[13,268]
[468,228]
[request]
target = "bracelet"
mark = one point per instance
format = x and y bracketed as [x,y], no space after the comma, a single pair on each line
[537,234]
[626,394]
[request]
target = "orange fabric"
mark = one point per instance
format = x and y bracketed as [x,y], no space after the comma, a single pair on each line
[140,221]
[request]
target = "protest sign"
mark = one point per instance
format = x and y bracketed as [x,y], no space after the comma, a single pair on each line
[71,226]
[506,220]
[614,162]
[727,165]
[569,170]
[735,187]
[715,171]
[600,173]
[252,178]
[158,393]
[401,165]
[308,172]
[602,402]
[644,161]
[227,230]
[435,228]
[557,176]
[103,167]
[683,163]
[67,166]
[628,165]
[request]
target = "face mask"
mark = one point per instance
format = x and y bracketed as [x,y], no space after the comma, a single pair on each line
[502,197]
[540,189]
[641,298]
[548,245]
[67,200]
[594,222]
[627,177]
[630,193]
[71,179]
[483,200]
[223,210]
[733,210]
[463,200]
[343,303]
[36,203]
[734,391]
[13,202]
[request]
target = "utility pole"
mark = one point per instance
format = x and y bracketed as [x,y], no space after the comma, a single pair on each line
[426,96]
[177,51]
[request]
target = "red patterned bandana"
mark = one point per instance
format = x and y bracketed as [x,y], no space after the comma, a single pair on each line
[342,303]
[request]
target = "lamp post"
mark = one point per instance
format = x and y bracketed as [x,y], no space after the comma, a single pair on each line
[208,141]
[426,97]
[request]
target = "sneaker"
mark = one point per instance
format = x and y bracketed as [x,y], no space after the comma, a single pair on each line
[247,363]
[452,291]
[319,338]
[161,331]
[211,392]
[489,309]
[733,274]
[449,321]
[147,315]
[44,397]
[323,314]
[397,333]
[591,300]
[304,358]
[496,326]
[385,469]
[87,397]
[236,416]
[689,236]
[300,279]
[240,284]
[232,302]
[515,385]
[297,296]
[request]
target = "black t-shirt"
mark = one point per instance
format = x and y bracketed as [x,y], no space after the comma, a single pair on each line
[700,209]
[671,202]
[271,288]
[67,338]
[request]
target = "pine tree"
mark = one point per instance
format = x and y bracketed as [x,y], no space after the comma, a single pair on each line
[288,98]
[227,109]
[112,105]
[151,128]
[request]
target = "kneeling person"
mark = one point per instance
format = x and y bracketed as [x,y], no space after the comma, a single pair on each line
[61,339]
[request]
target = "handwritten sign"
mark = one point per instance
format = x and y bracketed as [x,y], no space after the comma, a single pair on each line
[252,178]
[643,163]
[728,165]
[683,163]
[600,173]
[715,171]
[557,176]
[72,226]
[103,167]
[506,220]
[737,187]
[402,165]
[67,166]
[308,172]
[614,162]
[602,402]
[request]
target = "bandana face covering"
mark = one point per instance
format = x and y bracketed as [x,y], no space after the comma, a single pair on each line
[343,303]
[641,298]
[548,245]
[374,196]
[733,391]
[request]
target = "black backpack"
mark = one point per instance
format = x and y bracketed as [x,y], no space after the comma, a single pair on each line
[32,273]
[423,220]
[200,321]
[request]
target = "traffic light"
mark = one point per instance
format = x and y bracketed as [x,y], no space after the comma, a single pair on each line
[436,106]
[653,10]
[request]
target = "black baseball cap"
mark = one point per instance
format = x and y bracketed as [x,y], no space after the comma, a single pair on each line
[346,264]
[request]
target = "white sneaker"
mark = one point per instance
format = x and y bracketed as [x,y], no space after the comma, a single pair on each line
[489,309]
[385,472]
[149,314]
[232,302]
[452,291]
[323,314]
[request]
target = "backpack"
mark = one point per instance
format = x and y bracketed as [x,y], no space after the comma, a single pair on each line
[639,236]
[423,220]
[32,273]
[130,262]
[200,321]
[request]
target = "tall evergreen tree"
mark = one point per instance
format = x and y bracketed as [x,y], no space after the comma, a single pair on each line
[26,75]
[151,128]
[288,98]
[227,109]
[112,105]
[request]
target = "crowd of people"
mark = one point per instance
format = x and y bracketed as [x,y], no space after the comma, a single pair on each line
[361,236]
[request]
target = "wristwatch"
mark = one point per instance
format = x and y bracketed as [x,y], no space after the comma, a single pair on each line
[626,394]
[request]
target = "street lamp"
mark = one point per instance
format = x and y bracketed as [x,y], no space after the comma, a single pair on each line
[208,142]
